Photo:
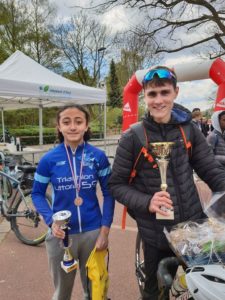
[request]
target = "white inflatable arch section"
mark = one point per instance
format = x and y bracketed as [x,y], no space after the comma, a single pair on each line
[185,72]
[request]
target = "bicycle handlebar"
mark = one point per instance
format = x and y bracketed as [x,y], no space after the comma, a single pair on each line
[2,155]
[9,177]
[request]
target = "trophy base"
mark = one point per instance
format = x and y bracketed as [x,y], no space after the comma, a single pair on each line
[170,215]
[69,268]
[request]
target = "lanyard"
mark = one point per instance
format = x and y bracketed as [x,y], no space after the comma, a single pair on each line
[74,172]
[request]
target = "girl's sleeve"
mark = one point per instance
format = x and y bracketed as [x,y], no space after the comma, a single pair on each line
[104,171]
[41,181]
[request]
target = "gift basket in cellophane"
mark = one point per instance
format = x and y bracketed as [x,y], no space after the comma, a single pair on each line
[201,242]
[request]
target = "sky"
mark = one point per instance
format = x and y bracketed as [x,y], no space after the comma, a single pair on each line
[192,93]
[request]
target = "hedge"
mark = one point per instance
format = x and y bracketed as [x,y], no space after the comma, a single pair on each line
[47,139]
[34,140]
[32,131]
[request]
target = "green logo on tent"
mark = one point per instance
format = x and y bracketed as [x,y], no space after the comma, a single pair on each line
[46,87]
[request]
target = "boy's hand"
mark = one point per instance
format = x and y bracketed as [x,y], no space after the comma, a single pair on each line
[160,199]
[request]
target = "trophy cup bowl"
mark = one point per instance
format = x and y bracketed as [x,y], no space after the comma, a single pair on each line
[62,218]
[162,152]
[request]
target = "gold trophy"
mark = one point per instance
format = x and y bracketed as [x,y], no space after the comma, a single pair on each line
[62,218]
[162,152]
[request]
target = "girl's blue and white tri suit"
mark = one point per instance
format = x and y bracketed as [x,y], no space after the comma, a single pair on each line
[54,169]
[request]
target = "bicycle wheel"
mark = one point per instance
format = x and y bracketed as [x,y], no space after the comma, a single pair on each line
[139,263]
[29,226]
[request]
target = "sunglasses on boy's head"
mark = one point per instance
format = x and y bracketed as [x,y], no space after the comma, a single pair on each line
[161,73]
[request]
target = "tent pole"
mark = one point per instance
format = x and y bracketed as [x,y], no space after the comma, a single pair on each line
[40,124]
[3,125]
[100,121]
[104,126]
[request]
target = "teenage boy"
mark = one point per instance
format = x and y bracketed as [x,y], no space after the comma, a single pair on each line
[143,197]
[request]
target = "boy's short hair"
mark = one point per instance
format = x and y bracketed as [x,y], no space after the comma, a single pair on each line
[196,113]
[196,109]
[160,79]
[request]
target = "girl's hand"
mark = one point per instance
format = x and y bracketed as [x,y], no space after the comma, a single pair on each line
[57,231]
[102,240]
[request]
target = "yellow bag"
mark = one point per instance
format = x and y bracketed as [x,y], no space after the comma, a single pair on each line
[98,274]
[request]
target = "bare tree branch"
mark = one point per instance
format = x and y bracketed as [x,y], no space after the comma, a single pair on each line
[205,18]
[189,45]
[80,40]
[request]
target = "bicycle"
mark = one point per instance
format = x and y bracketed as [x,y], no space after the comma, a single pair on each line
[166,266]
[139,263]
[177,281]
[17,207]
[7,138]
[166,273]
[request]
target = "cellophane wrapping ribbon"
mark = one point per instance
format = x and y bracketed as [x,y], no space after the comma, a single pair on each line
[198,242]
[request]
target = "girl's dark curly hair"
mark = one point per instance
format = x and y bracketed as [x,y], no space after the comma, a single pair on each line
[87,134]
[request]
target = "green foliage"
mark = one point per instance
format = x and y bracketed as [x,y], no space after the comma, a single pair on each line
[25,26]
[114,92]
[32,131]
[81,75]
[114,117]
[34,140]
[208,113]
[13,26]
[21,118]
[130,62]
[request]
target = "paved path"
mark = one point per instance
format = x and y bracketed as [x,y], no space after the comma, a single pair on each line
[24,272]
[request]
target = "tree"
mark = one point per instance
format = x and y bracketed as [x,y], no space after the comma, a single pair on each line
[173,24]
[136,53]
[13,27]
[25,26]
[75,76]
[79,40]
[114,93]
[39,43]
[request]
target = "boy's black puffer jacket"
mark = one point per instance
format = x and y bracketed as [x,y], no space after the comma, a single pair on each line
[180,181]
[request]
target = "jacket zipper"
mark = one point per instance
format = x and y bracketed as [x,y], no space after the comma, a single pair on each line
[78,207]
[177,193]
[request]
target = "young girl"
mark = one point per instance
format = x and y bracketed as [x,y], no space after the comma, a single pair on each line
[74,168]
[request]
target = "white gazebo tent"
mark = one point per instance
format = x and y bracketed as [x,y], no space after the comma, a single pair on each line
[26,84]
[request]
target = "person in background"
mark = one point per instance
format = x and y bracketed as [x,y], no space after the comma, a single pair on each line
[216,139]
[196,109]
[196,118]
[144,197]
[200,121]
[204,126]
[210,125]
[73,168]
